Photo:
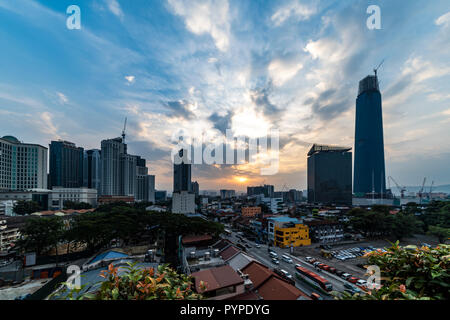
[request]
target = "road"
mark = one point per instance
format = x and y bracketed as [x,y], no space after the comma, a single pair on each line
[261,254]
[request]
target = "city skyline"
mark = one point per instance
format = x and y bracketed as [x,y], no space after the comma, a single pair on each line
[213,65]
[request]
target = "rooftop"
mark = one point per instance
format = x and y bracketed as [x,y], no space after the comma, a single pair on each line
[216,278]
[316,148]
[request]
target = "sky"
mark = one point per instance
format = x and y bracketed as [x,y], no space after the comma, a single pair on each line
[204,66]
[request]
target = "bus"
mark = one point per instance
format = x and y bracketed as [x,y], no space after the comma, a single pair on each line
[313,279]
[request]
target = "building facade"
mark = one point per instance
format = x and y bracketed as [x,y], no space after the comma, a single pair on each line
[369,168]
[250,211]
[330,175]
[227,194]
[23,166]
[66,165]
[92,169]
[291,234]
[183,202]
[111,152]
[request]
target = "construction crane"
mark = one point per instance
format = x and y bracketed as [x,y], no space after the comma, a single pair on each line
[123,131]
[421,189]
[376,69]
[431,189]
[400,189]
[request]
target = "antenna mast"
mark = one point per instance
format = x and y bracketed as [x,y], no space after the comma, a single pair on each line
[123,131]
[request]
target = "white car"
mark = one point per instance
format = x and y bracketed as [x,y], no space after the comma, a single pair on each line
[361,282]
[297,265]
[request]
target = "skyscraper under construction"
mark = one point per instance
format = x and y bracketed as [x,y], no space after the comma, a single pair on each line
[369,166]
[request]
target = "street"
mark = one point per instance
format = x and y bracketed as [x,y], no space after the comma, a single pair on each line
[261,254]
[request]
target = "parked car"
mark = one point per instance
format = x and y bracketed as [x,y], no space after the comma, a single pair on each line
[275,261]
[345,276]
[361,282]
[308,259]
[351,288]
[332,270]
[325,267]
[353,279]
[286,258]
[273,254]
[315,296]
[297,265]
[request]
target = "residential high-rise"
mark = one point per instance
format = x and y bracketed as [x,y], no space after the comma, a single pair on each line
[92,169]
[111,152]
[145,183]
[369,169]
[22,165]
[128,175]
[266,190]
[330,175]
[66,164]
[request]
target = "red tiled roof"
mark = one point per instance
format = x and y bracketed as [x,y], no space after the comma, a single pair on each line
[229,252]
[257,272]
[216,278]
[269,285]
[195,238]
[277,289]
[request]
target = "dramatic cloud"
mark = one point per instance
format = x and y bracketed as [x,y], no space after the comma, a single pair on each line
[295,9]
[206,16]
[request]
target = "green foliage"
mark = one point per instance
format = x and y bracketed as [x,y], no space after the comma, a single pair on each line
[76,205]
[26,207]
[162,283]
[41,234]
[378,222]
[440,232]
[410,273]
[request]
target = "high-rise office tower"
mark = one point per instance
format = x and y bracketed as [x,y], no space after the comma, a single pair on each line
[330,175]
[182,172]
[183,198]
[196,188]
[22,165]
[92,169]
[111,152]
[66,164]
[369,169]
[145,190]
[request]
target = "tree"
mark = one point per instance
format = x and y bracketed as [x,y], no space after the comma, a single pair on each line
[22,207]
[441,233]
[76,205]
[410,273]
[41,234]
[162,283]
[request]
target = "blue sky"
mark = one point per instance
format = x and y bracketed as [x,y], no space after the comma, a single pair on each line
[207,65]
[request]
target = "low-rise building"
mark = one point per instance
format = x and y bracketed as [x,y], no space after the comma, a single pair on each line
[291,235]
[250,211]
[219,283]
[183,202]
[325,231]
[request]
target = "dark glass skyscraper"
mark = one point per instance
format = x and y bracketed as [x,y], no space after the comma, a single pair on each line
[182,173]
[330,175]
[66,165]
[369,169]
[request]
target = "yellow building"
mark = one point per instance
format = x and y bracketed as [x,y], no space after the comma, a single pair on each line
[290,234]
